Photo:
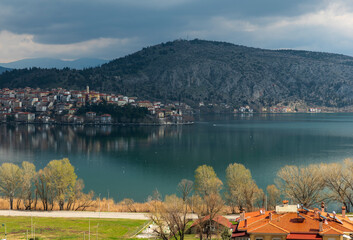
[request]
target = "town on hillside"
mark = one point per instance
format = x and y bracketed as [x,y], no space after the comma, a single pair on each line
[59,105]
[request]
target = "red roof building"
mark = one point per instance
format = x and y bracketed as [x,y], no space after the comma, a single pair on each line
[291,222]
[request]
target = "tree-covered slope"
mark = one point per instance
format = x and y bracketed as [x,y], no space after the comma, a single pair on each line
[217,72]
[2,69]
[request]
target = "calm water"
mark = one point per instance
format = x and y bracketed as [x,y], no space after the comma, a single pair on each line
[133,161]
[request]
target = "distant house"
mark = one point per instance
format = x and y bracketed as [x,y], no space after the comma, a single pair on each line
[145,104]
[217,225]
[25,117]
[4,116]
[160,114]
[72,110]
[91,115]
[105,119]
[67,118]
[77,120]
[41,108]
[122,102]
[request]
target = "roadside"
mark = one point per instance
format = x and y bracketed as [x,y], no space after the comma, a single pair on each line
[87,214]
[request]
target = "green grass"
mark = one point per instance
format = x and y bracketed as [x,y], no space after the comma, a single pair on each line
[69,228]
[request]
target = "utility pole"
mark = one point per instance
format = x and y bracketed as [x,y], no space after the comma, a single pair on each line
[108,200]
[97,231]
[4,225]
[99,205]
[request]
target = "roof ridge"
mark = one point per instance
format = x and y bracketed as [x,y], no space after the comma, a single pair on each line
[259,226]
[332,228]
[347,221]
[278,227]
[265,216]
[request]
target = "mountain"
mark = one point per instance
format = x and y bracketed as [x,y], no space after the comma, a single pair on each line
[2,69]
[212,72]
[54,63]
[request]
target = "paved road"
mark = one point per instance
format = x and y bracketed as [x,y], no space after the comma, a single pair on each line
[75,214]
[86,214]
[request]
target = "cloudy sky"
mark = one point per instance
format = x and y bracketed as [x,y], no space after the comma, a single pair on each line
[70,29]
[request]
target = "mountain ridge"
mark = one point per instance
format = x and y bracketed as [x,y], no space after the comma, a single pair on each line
[208,71]
[80,63]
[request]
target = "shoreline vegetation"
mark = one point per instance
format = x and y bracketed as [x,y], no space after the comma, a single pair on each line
[56,187]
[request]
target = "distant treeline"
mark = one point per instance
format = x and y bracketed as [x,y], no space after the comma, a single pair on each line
[126,113]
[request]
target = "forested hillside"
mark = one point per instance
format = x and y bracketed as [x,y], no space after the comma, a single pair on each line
[216,72]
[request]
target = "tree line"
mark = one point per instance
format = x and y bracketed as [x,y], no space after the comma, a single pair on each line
[55,184]
[126,113]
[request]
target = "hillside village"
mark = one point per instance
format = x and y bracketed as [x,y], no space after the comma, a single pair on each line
[59,105]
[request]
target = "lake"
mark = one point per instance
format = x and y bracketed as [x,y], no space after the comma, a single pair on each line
[131,162]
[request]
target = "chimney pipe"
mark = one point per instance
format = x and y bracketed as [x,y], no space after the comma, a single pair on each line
[320,225]
[322,207]
[343,211]
[246,223]
[242,215]
[270,216]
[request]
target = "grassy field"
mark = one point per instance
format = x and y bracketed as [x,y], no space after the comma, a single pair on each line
[69,228]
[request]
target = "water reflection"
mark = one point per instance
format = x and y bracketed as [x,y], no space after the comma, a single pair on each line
[80,139]
[133,161]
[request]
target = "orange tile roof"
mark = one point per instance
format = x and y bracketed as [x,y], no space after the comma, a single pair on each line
[219,219]
[285,223]
[268,228]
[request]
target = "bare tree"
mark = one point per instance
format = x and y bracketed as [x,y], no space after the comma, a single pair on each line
[43,189]
[338,180]
[185,187]
[242,191]
[170,217]
[129,204]
[84,201]
[303,185]
[273,196]
[207,208]
[63,180]
[10,181]
[27,184]
[206,181]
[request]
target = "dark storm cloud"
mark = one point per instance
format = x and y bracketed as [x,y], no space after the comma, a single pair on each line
[147,22]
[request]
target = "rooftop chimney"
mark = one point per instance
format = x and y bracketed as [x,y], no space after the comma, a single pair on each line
[320,225]
[322,207]
[343,211]
[270,216]
[242,215]
[246,223]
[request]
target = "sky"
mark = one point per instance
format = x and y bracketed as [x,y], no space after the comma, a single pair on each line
[108,29]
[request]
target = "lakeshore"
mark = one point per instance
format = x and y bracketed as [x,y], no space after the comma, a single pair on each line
[132,161]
